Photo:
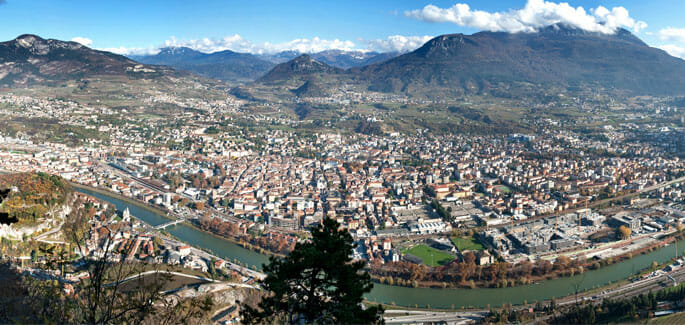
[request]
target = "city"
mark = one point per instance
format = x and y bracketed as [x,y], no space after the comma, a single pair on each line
[516,200]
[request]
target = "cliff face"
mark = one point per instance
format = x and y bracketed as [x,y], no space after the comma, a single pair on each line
[52,221]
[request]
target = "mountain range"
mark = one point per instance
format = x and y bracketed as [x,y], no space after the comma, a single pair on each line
[556,56]
[338,58]
[502,64]
[244,67]
[224,65]
[506,64]
[29,59]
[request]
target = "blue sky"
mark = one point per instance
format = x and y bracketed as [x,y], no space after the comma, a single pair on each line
[267,26]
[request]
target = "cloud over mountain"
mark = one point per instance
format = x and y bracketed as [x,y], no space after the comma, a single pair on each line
[534,15]
[82,40]
[236,43]
[398,43]
[674,50]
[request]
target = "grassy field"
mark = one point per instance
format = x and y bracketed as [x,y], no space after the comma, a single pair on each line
[504,188]
[467,243]
[424,252]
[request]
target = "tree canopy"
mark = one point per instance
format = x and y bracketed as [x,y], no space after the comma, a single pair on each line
[316,283]
[624,232]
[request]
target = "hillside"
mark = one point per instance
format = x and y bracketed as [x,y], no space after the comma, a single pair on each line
[224,65]
[553,57]
[29,59]
[303,66]
[244,67]
[27,197]
[311,88]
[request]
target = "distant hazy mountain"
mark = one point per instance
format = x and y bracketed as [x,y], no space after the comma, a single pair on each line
[224,65]
[242,67]
[554,56]
[337,58]
[301,67]
[29,59]
[280,57]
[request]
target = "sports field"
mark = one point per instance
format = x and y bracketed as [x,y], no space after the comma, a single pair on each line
[430,256]
[467,243]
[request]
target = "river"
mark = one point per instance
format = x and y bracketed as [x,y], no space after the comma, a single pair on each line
[421,297]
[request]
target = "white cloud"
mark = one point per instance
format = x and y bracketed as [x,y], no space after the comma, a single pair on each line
[82,40]
[534,15]
[131,50]
[398,43]
[672,34]
[674,50]
[237,43]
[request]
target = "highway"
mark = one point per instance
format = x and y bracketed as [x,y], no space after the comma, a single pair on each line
[420,317]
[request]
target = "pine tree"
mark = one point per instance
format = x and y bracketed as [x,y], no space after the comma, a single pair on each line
[317,283]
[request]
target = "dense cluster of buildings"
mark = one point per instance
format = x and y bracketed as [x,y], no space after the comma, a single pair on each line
[390,186]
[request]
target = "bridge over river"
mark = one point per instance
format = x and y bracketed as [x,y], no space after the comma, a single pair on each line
[169,224]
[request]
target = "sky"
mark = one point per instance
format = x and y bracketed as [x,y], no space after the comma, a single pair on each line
[256,26]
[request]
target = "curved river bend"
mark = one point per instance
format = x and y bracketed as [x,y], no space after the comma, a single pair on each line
[421,297]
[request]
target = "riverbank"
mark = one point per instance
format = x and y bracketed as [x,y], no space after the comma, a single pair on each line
[397,281]
[134,201]
[463,275]
[378,277]
[449,299]
[240,243]
[162,217]
[190,223]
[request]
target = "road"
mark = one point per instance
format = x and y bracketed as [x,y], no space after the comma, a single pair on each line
[644,286]
[40,238]
[172,273]
[238,179]
[170,242]
[420,317]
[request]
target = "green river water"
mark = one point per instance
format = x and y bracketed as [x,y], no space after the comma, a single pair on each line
[404,296]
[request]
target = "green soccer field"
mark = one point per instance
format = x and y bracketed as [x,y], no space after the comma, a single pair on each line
[437,258]
[467,243]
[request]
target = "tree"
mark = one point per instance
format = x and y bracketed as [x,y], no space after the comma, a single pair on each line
[562,262]
[624,232]
[316,283]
